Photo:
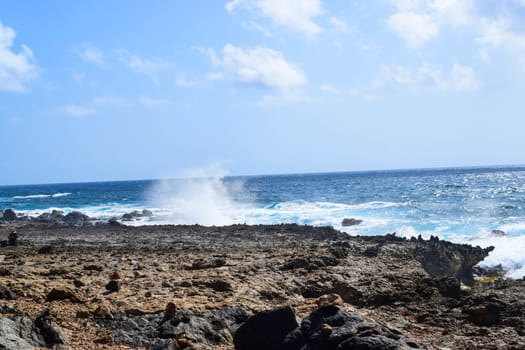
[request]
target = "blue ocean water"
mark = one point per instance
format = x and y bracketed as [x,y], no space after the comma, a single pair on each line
[459,204]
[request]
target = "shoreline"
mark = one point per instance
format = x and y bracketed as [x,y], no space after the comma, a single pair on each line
[412,286]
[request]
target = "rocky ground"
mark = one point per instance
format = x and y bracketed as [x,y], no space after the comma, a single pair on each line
[192,287]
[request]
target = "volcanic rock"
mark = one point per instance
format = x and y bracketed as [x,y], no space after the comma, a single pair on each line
[9,215]
[350,222]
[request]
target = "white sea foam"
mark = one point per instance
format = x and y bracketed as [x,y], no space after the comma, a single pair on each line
[508,251]
[35,196]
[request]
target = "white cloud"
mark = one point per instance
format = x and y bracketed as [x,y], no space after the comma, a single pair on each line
[459,79]
[263,66]
[498,34]
[112,101]
[74,110]
[419,21]
[150,67]
[154,102]
[232,5]
[16,69]
[414,28]
[296,15]
[91,54]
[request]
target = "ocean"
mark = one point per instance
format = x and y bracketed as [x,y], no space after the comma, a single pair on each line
[478,206]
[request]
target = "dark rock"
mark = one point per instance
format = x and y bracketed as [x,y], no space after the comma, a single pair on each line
[76,218]
[63,293]
[113,286]
[498,233]
[52,335]
[5,293]
[209,328]
[12,239]
[219,285]
[330,328]
[9,215]
[350,222]
[114,222]
[47,249]
[146,212]
[266,330]
[484,315]
[371,252]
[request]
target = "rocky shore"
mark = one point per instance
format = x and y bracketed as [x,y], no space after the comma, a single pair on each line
[110,286]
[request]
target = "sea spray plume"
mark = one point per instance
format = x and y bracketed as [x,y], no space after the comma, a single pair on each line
[201,197]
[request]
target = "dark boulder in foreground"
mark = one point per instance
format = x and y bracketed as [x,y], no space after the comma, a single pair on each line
[76,218]
[327,328]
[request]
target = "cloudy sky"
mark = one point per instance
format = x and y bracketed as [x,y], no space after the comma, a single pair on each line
[110,90]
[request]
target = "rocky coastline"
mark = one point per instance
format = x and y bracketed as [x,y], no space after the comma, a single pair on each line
[68,282]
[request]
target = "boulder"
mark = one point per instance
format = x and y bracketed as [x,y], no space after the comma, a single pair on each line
[12,239]
[9,215]
[327,328]
[18,333]
[266,330]
[76,218]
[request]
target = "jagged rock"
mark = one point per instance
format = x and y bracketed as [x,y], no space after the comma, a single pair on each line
[10,215]
[350,222]
[484,315]
[63,293]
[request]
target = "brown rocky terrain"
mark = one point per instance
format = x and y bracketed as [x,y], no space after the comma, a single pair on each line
[175,287]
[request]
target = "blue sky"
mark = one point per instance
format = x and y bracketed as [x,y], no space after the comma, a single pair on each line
[109,90]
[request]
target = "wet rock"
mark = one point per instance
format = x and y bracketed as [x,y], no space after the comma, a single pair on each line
[63,293]
[113,286]
[10,215]
[266,330]
[498,233]
[350,222]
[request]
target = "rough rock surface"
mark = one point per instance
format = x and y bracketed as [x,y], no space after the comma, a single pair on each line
[386,282]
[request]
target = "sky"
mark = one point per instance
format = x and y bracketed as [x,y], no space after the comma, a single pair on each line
[114,90]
